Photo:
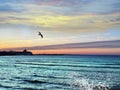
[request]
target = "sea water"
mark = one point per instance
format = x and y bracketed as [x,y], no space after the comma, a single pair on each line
[59,72]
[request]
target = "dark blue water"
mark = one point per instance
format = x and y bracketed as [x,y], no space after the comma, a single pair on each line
[65,72]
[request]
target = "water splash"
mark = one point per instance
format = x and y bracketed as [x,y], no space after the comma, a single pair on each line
[84,83]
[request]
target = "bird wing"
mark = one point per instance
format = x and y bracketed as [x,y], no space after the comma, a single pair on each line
[40,34]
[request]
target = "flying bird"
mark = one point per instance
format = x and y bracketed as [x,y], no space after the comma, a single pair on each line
[39,33]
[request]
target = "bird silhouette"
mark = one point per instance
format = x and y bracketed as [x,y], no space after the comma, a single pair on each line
[39,33]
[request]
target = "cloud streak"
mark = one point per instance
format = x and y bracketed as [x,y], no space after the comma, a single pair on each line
[83,22]
[73,7]
[98,44]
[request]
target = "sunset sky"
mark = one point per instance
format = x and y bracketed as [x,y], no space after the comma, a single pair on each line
[68,26]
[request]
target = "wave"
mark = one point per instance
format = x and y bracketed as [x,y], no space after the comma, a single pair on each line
[54,77]
[71,65]
[43,82]
[82,85]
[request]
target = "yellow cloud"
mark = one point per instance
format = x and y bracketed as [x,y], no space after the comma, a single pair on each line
[81,22]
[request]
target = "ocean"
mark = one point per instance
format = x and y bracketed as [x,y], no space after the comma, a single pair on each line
[59,72]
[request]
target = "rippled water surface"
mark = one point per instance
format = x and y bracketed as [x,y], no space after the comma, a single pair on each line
[59,72]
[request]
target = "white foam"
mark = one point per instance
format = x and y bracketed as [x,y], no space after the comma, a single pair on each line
[84,83]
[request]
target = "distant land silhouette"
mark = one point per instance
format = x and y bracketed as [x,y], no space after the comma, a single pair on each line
[24,52]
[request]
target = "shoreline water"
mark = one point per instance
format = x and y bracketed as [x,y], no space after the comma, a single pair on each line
[59,72]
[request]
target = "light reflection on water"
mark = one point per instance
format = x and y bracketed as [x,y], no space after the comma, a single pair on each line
[59,72]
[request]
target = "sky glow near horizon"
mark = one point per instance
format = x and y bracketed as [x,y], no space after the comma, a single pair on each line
[61,22]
